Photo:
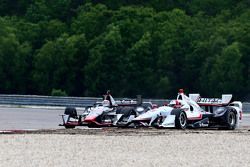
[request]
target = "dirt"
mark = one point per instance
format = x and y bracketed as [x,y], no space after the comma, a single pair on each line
[113,131]
[112,147]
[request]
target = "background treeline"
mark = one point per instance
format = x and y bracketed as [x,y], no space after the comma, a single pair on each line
[148,47]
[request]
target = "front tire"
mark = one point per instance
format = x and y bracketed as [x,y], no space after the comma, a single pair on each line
[157,122]
[181,120]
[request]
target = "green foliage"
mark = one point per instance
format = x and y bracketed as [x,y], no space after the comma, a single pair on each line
[91,20]
[45,10]
[210,7]
[14,57]
[55,64]
[58,92]
[149,47]
[105,68]
[13,7]
[225,75]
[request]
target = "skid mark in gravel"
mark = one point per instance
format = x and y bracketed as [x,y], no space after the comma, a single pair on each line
[126,132]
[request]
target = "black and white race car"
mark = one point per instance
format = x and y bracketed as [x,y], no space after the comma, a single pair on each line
[194,112]
[106,113]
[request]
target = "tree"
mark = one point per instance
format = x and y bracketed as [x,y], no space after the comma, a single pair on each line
[210,7]
[175,46]
[57,65]
[91,20]
[105,68]
[150,47]
[38,11]
[44,10]
[140,69]
[226,74]
[13,7]
[14,57]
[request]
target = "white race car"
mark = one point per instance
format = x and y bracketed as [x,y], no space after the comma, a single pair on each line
[194,112]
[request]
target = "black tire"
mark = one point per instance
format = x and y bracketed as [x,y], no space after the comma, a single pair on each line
[181,120]
[131,113]
[231,120]
[69,126]
[158,121]
[124,119]
[124,110]
[92,125]
[71,111]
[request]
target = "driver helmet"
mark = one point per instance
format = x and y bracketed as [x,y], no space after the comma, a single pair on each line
[105,103]
[175,104]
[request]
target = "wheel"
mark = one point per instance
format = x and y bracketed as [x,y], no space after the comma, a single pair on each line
[231,120]
[69,126]
[71,111]
[125,117]
[124,120]
[158,121]
[181,120]
[92,125]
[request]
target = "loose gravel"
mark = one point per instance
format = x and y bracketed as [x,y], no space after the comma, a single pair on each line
[126,148]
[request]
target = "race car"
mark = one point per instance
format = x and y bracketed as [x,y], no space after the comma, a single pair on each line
[195,112]
[226,114]
[106,113]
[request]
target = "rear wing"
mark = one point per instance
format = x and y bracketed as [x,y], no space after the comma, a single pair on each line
[129,102]
[126,102]
[121,102]
[225,100]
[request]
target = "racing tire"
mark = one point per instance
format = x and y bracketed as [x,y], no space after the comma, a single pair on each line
[158,121]
[181,120]
[131,113]
[125,118]
[69,126]
[93,125]
[231,120]
[71,111]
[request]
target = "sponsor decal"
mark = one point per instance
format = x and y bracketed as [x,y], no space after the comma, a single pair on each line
[209,100]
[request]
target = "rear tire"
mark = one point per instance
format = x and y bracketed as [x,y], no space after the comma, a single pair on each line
[126,117]
[69,127]
[181,120]
[71,111]
[92,125]
[123,122]
[231,120]
[131,113]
